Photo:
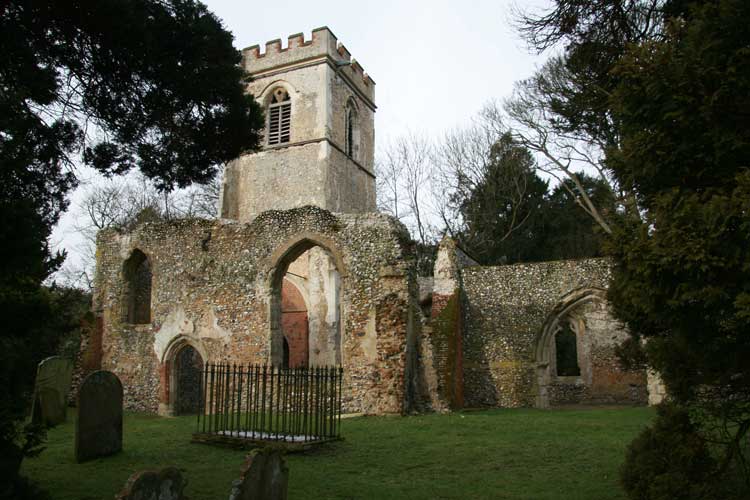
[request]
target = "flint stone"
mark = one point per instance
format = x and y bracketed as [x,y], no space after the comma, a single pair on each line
[53,376]
[164,484]
[99,424]
[263,475]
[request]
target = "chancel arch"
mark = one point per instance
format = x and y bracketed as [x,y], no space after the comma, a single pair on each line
[306,313]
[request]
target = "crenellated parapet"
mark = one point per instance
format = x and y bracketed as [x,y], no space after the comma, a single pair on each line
[324,46]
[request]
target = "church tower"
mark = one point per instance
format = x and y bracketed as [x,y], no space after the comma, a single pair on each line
[318,145]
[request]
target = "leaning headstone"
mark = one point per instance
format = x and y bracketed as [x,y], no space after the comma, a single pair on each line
[164,484]
[99,424]
[51,391]
[264,474]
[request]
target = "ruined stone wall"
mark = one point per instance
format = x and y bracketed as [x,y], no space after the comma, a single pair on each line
[507,353]
[212,289]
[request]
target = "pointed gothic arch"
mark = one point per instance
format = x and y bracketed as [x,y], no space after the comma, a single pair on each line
[180,382]
[545,346]
[280,261]
[352,130]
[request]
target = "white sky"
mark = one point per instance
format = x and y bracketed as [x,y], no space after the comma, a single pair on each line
[435,63]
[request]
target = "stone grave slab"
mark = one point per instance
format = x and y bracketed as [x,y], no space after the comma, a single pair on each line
[264,474]
[53,376]
[99,424]
[164,484]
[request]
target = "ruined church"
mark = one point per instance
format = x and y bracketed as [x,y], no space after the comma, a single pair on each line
[299,269]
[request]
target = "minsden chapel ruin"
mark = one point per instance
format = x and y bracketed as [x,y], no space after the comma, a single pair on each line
[299,269]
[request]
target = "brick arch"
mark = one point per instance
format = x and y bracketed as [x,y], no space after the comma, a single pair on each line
[278,263]
[543,345]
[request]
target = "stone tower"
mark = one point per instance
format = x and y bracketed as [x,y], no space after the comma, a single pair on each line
[319,136]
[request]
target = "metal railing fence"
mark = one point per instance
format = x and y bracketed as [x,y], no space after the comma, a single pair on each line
[267,403]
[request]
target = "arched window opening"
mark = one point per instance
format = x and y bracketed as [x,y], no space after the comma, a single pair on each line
[137,303]
[566,351]
[279,117]
[352,131]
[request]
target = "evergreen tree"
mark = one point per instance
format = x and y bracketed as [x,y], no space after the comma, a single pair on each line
[509,216]
[683,276]
[570,233]
[668,96]
[502,212]
[152,84]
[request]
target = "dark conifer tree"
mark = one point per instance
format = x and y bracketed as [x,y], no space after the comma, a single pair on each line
[117,85]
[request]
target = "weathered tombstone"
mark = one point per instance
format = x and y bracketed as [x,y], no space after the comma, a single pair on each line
[264,474]
[53,377]
[99,424]
[164,484]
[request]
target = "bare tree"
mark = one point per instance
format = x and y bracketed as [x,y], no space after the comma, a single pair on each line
[461,159]
[125,203]
[199,200]
[407,168]
[561,154]
[388,183]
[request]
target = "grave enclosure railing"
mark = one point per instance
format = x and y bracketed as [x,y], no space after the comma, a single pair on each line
[258,403]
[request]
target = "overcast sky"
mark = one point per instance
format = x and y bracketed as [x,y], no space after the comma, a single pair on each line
[435,63]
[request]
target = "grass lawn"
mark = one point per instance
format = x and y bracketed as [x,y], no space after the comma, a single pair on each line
[504,454]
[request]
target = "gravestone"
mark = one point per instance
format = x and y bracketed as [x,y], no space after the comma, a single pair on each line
[164,484]
[51,388]
[99,424]
[263,475]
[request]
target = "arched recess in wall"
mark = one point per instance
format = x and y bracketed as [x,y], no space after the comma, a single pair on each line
[316,266]
[180,382]
[352,129]
[564,321]
[137,279]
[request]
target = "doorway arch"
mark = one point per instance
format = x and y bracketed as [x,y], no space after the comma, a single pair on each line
[184,361]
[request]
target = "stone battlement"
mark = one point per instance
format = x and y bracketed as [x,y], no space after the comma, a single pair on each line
[323,45]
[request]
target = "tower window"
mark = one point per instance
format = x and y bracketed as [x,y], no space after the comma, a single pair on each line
[352,131]
[279,117]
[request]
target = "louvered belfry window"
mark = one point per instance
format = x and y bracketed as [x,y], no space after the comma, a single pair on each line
[279,117]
